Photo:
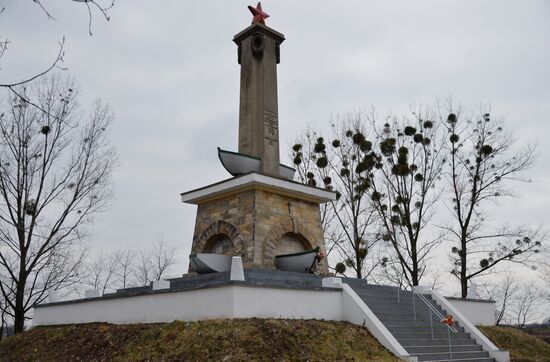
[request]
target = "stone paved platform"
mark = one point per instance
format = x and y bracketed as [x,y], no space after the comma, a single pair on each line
[253,277]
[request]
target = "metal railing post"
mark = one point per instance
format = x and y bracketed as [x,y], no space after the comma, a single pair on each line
[450,349]
[435,311]
[431,323]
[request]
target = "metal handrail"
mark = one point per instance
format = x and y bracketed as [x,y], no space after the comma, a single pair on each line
[431,309]
[428,304]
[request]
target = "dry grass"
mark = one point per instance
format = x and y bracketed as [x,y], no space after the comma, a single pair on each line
[523,347]
[216,340]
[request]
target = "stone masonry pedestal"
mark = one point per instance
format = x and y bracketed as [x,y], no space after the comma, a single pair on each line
[260,217]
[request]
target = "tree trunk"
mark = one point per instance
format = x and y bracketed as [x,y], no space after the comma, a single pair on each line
[19,310]
[359,266]
[414,275]
[463,276]
[2,324]
[19,313]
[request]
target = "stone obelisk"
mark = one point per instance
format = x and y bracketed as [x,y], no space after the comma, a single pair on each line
[258,55]
[263,215]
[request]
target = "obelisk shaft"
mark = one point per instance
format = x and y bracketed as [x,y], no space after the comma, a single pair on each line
[258,111]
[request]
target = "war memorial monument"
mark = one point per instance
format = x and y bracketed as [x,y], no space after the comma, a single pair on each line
[258,249]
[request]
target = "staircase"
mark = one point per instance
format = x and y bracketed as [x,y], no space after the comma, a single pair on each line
[429,341]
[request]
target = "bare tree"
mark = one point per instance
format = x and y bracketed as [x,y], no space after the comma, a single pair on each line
[390,271]
[503,292]
[100,6]
[482,165]
[154,263]
[345,166]
[55,176]
[125,270]
[404,192]
[305,143]
[100,271]
[526,303]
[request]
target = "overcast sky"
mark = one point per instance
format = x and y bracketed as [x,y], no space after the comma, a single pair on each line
[169,70]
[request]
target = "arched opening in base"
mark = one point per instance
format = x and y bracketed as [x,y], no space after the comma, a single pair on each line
[219,244]
[291,243]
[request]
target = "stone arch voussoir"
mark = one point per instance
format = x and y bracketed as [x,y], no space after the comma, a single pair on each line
[226,228]
[276,234]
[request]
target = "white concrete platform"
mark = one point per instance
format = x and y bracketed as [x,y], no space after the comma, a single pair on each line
[255,293]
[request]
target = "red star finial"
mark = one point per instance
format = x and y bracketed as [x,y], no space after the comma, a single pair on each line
[259,15]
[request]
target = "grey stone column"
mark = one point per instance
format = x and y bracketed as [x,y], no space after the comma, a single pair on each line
[258,55]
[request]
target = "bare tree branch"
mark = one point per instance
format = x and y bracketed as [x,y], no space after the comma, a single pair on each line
[338,165]
[154,263]
[482,164]
[54,177]
[404,191]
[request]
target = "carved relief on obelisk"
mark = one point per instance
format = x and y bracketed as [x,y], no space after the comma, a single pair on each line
[258,55]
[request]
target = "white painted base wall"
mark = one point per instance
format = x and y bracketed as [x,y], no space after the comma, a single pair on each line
[232,301]
[479,313]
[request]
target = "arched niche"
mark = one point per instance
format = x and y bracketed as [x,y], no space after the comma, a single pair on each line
[291,243]
[219,244]
[221,229]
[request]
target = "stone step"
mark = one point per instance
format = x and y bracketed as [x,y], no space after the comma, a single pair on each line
[427,331]
[442,349]
[359,284]
[190,281]
[436,342]
[416,333]
[389,297]
[403,311]
[406,315]
[419,324]
[453,357]
[379,289]
[394,308]
[407,335]
[407,302]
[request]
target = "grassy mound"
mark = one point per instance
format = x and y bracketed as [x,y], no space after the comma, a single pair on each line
[541,332]
[523,347]
[219,340]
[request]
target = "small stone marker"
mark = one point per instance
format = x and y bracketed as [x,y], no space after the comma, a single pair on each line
[92,293]
[237,271]
[332,282]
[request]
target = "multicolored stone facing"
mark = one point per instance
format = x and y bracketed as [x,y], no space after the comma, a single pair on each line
[256,221]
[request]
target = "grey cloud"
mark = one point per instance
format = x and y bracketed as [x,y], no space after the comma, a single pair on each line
[169,70]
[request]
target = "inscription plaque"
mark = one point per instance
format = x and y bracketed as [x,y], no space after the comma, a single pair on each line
[271,126]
